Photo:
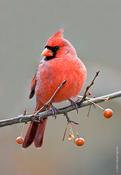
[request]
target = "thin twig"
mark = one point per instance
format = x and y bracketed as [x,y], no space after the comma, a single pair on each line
[89,86]
[65,131]
[26,118]
[51,98]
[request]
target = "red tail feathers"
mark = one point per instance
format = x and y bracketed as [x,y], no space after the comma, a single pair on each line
[38,139]
[35,134]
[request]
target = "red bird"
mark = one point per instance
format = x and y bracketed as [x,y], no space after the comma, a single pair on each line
[60,63]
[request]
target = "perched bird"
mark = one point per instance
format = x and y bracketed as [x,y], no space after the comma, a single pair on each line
[60,62]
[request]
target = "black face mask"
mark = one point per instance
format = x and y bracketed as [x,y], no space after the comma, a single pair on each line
[54,51]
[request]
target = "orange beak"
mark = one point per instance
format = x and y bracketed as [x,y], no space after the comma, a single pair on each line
[47,53]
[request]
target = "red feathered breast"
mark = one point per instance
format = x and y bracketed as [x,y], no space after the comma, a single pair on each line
[52,73]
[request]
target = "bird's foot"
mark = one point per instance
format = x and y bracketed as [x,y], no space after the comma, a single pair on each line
[54,110]
[73,103]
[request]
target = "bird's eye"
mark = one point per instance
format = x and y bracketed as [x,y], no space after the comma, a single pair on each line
[56,48]
[53,48]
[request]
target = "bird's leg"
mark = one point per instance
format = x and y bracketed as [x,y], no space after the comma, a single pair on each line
[54,110]
[73,103]
[48,106]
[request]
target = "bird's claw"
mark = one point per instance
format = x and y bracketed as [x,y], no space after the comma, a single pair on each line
[73,103]
[54,110]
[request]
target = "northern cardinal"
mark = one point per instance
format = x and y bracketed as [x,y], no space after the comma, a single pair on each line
[60,62]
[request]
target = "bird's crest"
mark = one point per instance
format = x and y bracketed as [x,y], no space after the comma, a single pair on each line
[58,34]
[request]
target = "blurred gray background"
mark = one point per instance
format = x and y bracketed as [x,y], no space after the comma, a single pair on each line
[94,28]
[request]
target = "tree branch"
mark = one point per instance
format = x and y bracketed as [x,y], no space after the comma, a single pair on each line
[24,118]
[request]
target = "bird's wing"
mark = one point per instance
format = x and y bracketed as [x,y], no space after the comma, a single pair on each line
[33,85]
